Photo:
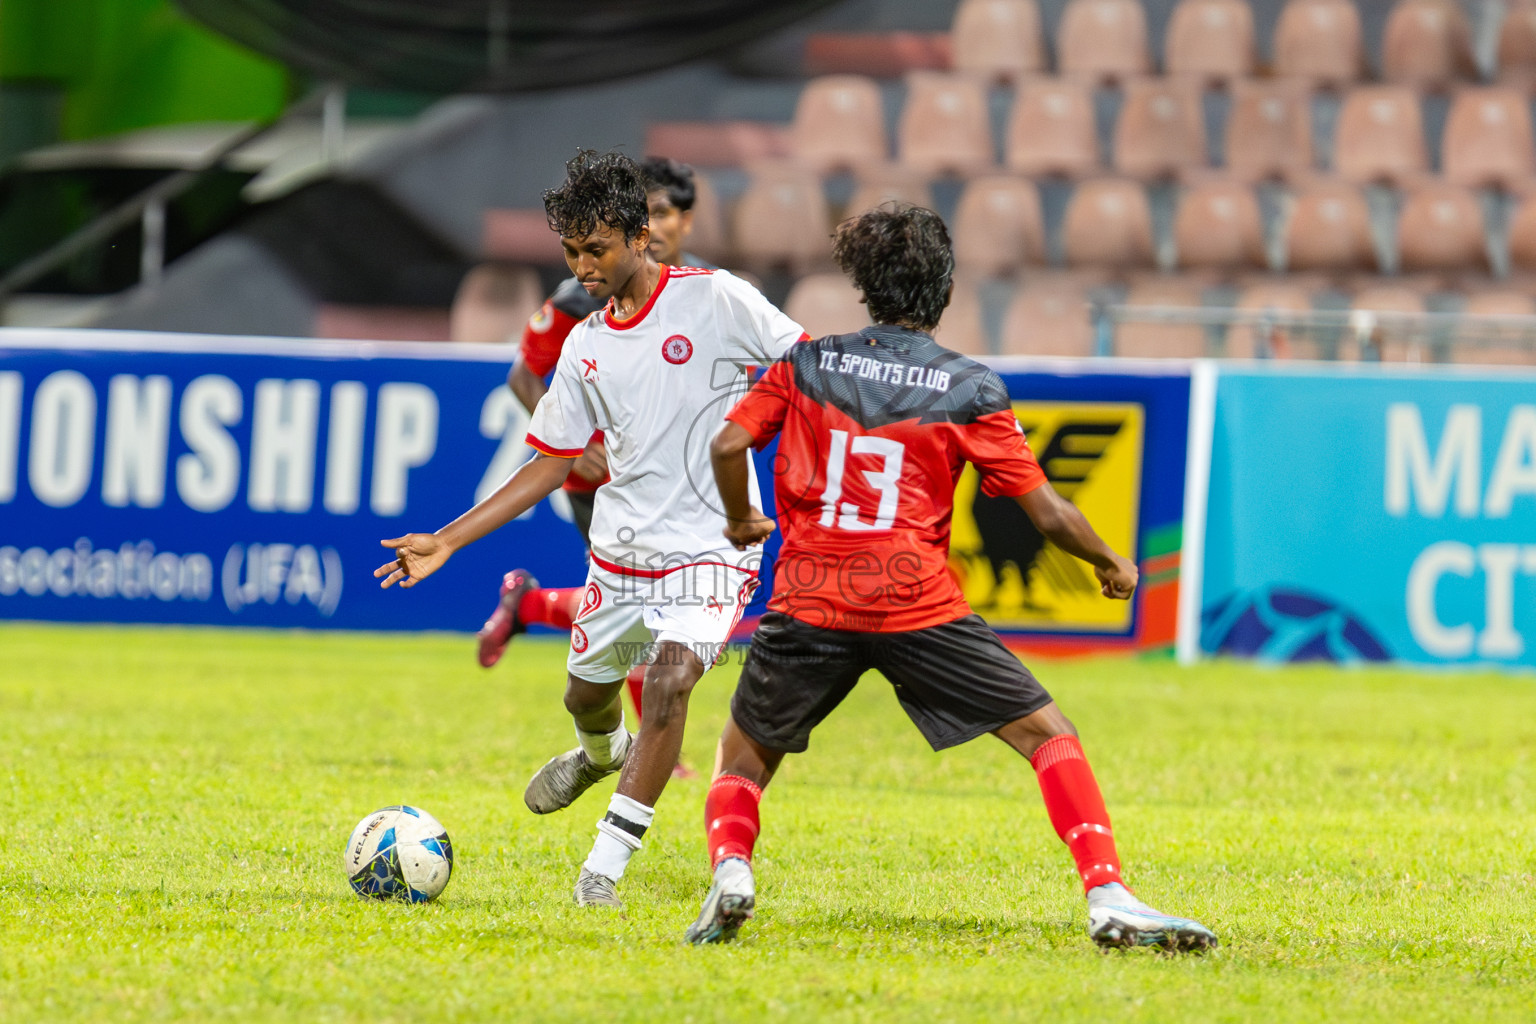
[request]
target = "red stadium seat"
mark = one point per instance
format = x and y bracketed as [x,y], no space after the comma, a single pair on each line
[1440,228]
[998,226]
[839,124]
[1211,40]
[1108,224]
[1149,339]
[1329,228]
[1269,131]
[945,127]
[1517,45]
[493,303]
[1049,316]
[881,54]
[1488,139]
[998,39]
[1103,40]
[782,218]
[1051,131]
[963,327]
[1218,227]
[1321,41]
[1380,136]
[826,304]
[1161,131]
[1428,43]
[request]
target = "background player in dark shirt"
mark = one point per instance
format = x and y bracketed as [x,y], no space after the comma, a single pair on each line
[874,430]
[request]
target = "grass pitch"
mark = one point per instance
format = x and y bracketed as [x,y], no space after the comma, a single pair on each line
[173,804]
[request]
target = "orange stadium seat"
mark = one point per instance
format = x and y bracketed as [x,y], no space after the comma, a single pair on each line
[1051,130]
[1522,236]
[1161,130]
[1485,344]
[998,39]
[1329,229]
[1517,45]
[1380,136]
[1440,228]
[963,327]
[998,226]
[1320,40]
[826,304]
[782,218]
[1108,223]
[1269,131]
[881,54]
[1049,316]
[1147,339]
[1428,43]
[1276,296]
[945,127]
[839,124]
[1104,40]
[891,183]
[1218,227]
[1488,139]
[1211,40]
[717,143]
[493,303]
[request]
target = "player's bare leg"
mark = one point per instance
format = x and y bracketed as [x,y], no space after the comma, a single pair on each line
[669,682]
[743,769]
[1076,808]
[604,746]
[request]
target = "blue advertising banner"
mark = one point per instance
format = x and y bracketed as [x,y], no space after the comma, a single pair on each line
[1369,514]
[243,481]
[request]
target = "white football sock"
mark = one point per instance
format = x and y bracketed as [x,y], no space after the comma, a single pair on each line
[605,749]
[618,836]
[734,876]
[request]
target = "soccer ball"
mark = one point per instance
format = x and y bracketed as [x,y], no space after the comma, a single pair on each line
[399,853]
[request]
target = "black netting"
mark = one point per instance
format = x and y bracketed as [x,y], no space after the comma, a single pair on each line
[489,45]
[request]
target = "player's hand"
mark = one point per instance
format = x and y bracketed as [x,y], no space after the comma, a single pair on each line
[417,556]
[1118,583]
[749,532]
[592,464]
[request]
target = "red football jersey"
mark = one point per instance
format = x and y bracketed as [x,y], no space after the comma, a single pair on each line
[874,430]
[544,336]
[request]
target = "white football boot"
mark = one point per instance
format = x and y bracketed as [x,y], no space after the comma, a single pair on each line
[1118,919]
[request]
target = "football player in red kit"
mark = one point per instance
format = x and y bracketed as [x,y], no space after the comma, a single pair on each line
[874,430]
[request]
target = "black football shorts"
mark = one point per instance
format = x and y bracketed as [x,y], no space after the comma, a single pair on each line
[956,681]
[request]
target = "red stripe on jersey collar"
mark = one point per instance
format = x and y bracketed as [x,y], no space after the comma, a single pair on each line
[634,321]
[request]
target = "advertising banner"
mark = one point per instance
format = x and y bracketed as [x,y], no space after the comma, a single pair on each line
[1369,514]
[242,481]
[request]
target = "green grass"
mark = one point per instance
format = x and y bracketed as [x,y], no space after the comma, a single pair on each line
[173,804]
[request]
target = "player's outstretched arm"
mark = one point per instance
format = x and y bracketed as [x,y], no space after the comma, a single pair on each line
[1063,525]
[419,555]
[745,526]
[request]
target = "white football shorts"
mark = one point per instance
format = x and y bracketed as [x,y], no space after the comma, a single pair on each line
[624,618]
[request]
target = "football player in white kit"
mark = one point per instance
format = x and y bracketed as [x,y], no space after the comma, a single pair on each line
[656,370]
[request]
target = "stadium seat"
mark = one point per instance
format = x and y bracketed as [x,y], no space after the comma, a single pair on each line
[709,235]
[1210,40]
[1522,236]
[998,226]
[1517,45]
[1051,130]
[1103,40]
[963,327]
[1440,228]
[1274,296]
[718,143]
[881,54]
[1492,344]
[1108,223]
[1149,339]
[520,236]
[1269,130]
[782,218]
[1380,136]
[890,183]
[826,304]
[380,323]
[1488,139]
[1161,130]
[1392,346]
[839,124]
[1321,41]
[1049,316]
[1328,228]
[493,303]
[1427,43]
[1218,227]
[945,127]
[998,40]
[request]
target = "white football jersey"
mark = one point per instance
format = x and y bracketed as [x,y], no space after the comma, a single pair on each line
[658,385]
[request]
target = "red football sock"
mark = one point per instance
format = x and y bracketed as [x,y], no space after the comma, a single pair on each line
[1076,807]
[635,681]
[550,607]
[730,818]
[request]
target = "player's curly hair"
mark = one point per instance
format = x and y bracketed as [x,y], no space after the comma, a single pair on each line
[599,188]
[663,174]
[899,256]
